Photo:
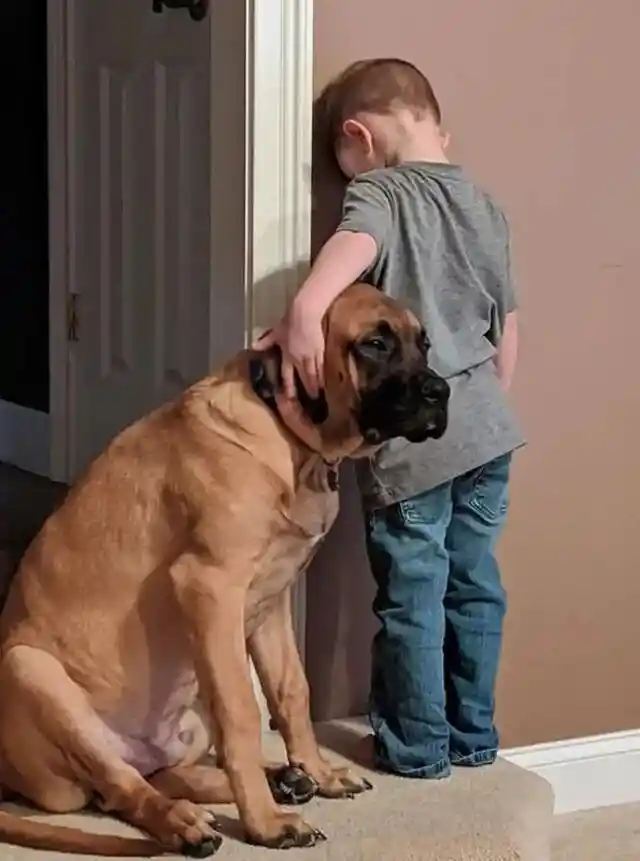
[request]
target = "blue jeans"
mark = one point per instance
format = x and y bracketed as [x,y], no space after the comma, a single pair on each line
[441,606]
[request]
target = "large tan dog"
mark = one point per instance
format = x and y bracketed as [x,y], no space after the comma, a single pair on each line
[126,635]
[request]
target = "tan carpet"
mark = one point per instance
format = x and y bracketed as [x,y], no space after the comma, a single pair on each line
[500,813]
[606,834]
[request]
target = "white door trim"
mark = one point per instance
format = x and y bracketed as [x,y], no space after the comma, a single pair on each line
[282,83]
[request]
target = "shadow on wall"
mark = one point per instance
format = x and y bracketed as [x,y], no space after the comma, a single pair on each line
[327,187]
[337,640]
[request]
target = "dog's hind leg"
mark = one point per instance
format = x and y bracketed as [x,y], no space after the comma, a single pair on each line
[202,784]
[58,753]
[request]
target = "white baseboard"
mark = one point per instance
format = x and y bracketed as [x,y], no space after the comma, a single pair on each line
[24,438]
[596,771]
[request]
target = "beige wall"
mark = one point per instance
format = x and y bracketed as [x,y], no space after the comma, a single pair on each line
[541,100]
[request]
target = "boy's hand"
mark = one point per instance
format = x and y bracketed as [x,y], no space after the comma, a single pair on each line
[301,339]
[507,354]
[343,258]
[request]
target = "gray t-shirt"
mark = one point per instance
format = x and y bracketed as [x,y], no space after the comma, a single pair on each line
[443,250]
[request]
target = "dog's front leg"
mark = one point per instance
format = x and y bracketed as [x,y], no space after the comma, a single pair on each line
[212,597]
[277,661]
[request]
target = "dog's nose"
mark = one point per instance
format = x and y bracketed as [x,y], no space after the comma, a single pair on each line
[435,390]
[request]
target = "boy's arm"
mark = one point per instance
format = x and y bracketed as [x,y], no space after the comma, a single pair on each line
[353,248]
[506,332]
[345,257]
[341,261]
[507,350]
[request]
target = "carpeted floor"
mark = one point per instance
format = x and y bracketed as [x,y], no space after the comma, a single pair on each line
[495,814]
[606,834]
[500,813]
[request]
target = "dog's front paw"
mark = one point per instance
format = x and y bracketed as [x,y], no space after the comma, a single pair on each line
[343,783]
[285,831]
[290,784]
[191,830]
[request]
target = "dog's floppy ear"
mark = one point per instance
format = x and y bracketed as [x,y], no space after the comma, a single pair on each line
[317,409]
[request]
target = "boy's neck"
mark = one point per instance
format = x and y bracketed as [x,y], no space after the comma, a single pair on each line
[422,140]
[415,149]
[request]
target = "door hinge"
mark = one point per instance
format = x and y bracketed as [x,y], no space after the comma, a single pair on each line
[73,321]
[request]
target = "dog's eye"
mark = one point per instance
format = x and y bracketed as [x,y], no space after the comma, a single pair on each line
[376,347]
[378,344]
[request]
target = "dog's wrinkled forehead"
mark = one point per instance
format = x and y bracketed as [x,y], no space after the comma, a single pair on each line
[362,309]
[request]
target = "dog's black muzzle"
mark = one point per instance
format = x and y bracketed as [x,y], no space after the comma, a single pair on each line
[413,406]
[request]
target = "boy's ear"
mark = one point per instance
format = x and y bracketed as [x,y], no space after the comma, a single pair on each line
[356,130]
[445,139]
[352,128]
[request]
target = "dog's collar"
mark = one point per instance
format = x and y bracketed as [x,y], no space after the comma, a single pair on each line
[270,394]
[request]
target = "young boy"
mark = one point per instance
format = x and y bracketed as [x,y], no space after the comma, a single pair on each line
[416,227]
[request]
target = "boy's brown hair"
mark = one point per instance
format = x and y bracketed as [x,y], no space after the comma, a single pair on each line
[374,86]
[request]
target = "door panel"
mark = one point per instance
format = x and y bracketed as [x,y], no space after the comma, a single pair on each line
[146,175]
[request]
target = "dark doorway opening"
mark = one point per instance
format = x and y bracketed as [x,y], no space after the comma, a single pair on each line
[24,269]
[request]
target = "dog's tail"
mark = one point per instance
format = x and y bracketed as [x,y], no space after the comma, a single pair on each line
[58,838]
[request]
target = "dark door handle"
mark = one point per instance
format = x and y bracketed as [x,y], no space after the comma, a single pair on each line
[197,8]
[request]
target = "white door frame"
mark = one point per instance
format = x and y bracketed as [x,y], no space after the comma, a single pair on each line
[281,174]
[279,57]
